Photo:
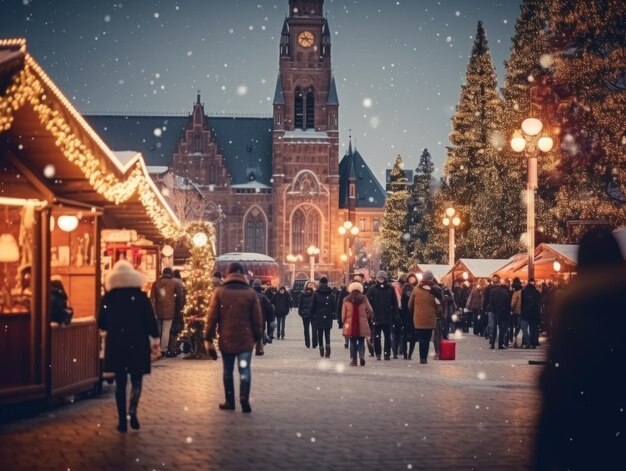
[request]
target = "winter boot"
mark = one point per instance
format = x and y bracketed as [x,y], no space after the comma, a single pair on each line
[135,394]
[321,351]
[120,400]
[327,351]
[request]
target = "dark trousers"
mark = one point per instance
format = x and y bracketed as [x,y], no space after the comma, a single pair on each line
[121,379]
[321,333]
[309,332]
[475,313]
[357,344]
[245,375]
[280,326]
[501,325]
[386,330]
[396,339]
[423,336]
[514,327]
[533,328]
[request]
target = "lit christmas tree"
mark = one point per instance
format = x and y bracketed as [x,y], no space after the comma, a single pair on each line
[200,238]
[476,172]
[394,237]
[589,40]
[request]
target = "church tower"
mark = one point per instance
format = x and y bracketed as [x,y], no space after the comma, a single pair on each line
[306,141]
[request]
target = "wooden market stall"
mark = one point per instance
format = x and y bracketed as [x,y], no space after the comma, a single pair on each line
[475,268]
[437,270]
[551,260]
[60,187]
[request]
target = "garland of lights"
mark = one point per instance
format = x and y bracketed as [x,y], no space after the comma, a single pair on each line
[26,87]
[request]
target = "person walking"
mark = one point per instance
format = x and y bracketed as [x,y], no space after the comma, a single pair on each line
[127,317]
[323,312]
[516,310]
[408,329]
[473,305]
[355,314]
[397,345]
[582,420]
[282,303]
[425,308]
[267,312]
[235,313]
[166,295]
[304,311]
[500,306]
[384,301]
[530,314]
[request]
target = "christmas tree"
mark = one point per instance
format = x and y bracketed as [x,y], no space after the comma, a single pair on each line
[200,238]
[394,237]
[589,41]
[420,207]
[476,171]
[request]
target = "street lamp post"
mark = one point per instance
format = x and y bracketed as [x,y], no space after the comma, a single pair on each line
[312,251]
[347,229]
[529,139]
[292,259]
[451,220]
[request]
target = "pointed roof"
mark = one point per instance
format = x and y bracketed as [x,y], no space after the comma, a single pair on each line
[285,30]
[369,192]
[326,29]
[279,98]
[332,99]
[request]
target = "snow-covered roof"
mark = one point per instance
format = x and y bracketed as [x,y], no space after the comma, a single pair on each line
[157,169]
[244,257]
[438,270]
[569,252]
[125,156]
[305,134]
[254,184]
[483,268]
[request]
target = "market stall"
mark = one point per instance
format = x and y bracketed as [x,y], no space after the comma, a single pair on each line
[61,186]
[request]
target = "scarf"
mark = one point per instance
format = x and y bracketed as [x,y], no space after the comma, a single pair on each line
[355,327]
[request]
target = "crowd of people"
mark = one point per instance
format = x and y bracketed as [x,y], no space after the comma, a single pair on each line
[581,422]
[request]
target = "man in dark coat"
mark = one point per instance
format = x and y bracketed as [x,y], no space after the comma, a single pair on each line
[127,317]
[582,423]
[500,305]
[384,301]
[323,308]
[267,310]
[304,311]
[235,312]
[282,303]
[531,315]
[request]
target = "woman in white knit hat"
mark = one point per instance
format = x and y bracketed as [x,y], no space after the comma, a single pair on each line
[355,314]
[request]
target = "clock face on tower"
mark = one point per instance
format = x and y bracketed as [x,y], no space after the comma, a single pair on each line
[306,39]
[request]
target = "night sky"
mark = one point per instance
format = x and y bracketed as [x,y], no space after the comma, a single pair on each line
[399,65]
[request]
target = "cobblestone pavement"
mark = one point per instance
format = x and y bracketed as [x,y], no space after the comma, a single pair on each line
[476,412]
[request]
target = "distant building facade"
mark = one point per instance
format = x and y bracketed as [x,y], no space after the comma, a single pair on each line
[277,181]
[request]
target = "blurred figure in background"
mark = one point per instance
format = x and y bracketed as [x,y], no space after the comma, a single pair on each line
[582,423]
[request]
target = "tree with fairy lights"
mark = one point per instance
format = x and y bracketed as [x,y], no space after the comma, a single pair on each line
[475,170]
[200,238]
[589,44]
[393,232]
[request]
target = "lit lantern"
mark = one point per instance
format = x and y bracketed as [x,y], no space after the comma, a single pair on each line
[67,222]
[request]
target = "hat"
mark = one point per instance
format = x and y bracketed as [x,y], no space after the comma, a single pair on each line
[428,277]
[531,280]
[257,283]
[235,267]
[123,275]
[381,274]
[355,286]
[324,279]
[167,271]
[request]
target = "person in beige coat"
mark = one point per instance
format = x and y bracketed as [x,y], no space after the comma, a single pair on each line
[425,308]
[356,312]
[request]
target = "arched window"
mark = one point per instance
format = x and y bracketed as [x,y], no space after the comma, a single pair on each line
[198,143]
[304,109]
[310,110]
[306,226]
[254,236]
[299,109]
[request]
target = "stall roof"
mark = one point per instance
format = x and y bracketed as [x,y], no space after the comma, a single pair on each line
[438,270]
[475,268]
[46,138]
